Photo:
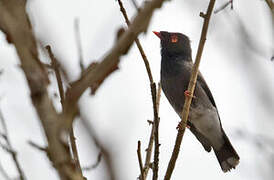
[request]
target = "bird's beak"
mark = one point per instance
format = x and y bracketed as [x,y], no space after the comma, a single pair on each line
[157,34]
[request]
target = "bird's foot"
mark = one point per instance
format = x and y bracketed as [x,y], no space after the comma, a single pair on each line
[180,126]
[188,94]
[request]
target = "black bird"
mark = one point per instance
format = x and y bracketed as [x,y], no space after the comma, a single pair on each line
[204,121]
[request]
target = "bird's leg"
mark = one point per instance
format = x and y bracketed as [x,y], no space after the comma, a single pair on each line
[188,94]
[180,126]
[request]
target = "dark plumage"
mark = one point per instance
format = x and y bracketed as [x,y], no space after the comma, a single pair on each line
[204,120]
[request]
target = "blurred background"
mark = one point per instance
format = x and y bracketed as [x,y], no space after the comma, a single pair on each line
[236,64]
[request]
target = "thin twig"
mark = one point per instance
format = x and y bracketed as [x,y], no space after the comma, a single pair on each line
[10,149]
[36,146]
[153,95]
[224,6]
[151,138]
[103,150]
[74,150]
[135,5]
[191,87]
[95,165]
[140,160]
[78,42]
[110,62]
[159,90]
[55,65]
[72,138]
[156,133]
[137,43]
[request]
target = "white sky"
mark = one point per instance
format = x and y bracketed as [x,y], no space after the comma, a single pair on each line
[122,105]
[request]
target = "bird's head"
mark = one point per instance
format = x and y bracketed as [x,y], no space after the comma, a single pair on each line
[174,44]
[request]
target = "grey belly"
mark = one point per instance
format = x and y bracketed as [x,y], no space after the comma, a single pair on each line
[203,115]
[206,121]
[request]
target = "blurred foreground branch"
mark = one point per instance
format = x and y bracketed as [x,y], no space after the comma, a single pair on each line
[95,75]
[224,6]
[270,5]
[55,65]
[15,24]
[191,87]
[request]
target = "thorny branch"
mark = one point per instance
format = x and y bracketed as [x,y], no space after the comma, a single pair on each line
[191,87]
[8,147]
[153,95]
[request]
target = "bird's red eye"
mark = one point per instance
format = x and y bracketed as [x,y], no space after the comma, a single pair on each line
[174,38]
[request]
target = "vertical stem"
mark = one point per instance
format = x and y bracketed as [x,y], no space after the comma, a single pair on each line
[156,133]
[191,88]
[140,160]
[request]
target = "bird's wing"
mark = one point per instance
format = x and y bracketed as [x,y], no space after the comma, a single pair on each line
[202,82]
[203,140]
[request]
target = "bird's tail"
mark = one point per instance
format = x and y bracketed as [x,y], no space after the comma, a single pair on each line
[227,156]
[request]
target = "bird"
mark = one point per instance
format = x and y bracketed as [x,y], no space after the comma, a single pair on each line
[204,120]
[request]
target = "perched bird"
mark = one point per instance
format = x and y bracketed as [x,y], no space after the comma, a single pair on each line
[204,121]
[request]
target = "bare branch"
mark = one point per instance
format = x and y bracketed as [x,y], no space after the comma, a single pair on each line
[95,165]
[153,93]
[101,71]
[78,42]
[140,160]
[135,5]
[104,151]
[156,133]
[224,6]
[191,87]
[36,146]
[151,138]
[15,23]
[159,90]
[55,65]
[141,50]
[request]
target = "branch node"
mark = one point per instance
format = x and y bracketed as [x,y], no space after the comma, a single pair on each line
[203,15]
[150,122]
